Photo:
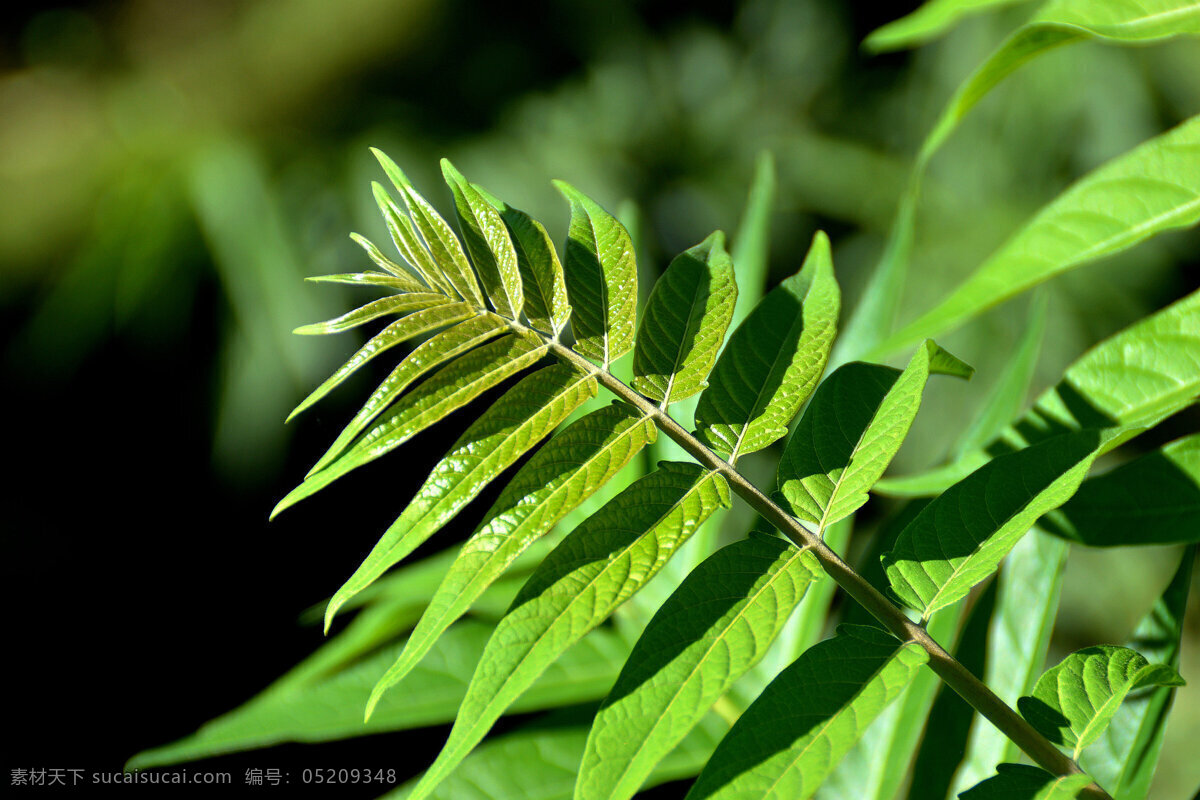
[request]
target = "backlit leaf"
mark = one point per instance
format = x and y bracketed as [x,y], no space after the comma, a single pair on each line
[489,244]
[398,277]
[392,304]
[545,288]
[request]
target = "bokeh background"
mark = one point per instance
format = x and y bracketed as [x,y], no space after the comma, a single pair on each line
[170,171]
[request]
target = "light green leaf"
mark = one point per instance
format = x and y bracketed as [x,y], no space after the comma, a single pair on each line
[773,360]
[369,278]
[1029,585]
[592,572]
[392,304]
[329,707]
[489,244]
[601,276]
[561,475]
[1124,757]
[1073,702]
[717,625]
[684,323]
[1023,782]
[398,332]
[1154,499]
[545,287]
[960,538]
[409,244]
[927,23]
[511,427]
[809,716]
[451,388]
[848,435]
[431,353]
[398,277]
[448,256]
[1153,188]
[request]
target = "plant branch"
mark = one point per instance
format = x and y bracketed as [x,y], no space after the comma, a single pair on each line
[952,673]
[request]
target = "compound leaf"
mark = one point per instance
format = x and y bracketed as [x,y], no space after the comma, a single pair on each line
[1074,701]
[856,422]
[545,288]
[397,278]
[559,477]
[593,571]
[601,275]
[488,241]
[512,426]
[392,304]
[802,724]
[684,323]
[409,244]
[773,360]
[961,537]
[710,631]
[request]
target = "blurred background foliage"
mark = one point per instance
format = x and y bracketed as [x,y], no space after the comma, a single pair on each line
[169,172]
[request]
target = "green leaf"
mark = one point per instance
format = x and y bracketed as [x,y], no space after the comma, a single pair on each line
[398,277]
[431,353]
[717,625]
[448,256]
[1153,188]
[773,360]
[592,572]
[329,707]
[1073,702]
[927,23]
[511,427]
[398,332]
[684,323]
[561,475]
[1154,499]
[809,716]
[488,242]
[960,538]
[752,243]
[1023,782]
[1029,585]
[545,287]
[451,388]
[392,304]
[409,244]
[856,422]
[1124,757]
[601,276]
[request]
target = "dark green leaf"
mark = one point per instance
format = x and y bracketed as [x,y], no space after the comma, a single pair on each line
[1022,782]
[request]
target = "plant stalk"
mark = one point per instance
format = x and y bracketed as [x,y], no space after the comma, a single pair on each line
[952,673]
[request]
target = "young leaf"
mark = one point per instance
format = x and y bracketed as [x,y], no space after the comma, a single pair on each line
[329,707]
[1124,757]
[927,23]
[1154,499]
[451,388]
[1023,782]
[1153,188]
[773,360]
[368,278]
[1073,702]
[961,537]
[512,426]
[398,332]
[558,477]
[488,242]
[545,288]
[1029,585]
[716,626]
[684,323]
[398,277]
[448,256]
[438,349]
[809,716]
[595,569]
[409,244]
[850,432]
[392,304]
[601,279]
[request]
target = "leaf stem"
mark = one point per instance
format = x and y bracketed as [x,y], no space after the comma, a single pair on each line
[952,673]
